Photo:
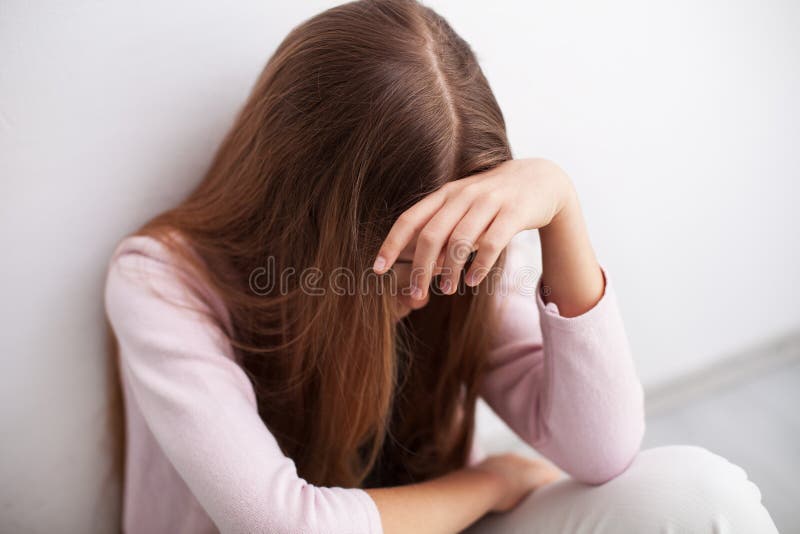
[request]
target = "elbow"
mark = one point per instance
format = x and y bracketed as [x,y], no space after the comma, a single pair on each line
[612,455]
[620,438]
[608,466]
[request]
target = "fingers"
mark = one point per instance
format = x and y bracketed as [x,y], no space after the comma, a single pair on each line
[405,228]
[432,238]
[460,217]
[440,262]
[490,245]
[463,241]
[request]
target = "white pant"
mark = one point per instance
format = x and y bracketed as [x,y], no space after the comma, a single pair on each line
[666,490]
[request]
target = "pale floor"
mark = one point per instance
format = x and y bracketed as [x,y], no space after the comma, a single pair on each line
[755,424]
[753,421]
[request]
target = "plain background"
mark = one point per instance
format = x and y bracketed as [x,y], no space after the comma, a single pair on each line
[679,123]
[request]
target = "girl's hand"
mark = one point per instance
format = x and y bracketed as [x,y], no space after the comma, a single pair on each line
[518,476]
[480,212]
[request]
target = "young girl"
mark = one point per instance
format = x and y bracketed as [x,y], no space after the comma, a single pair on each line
[302,341]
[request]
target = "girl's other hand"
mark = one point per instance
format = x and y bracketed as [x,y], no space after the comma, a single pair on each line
[518,476]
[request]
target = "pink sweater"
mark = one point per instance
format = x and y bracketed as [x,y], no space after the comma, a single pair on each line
[199,459]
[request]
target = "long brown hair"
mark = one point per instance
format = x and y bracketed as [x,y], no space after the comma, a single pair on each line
[361,111]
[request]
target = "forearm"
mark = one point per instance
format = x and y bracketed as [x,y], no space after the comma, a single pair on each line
[446,504]
[571,275]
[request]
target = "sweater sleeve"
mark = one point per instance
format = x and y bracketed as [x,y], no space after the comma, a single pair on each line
[565,385]
[201,407]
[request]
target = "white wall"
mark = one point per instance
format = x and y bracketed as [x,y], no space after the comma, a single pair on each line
[678,122]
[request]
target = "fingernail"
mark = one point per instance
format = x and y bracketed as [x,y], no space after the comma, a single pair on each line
[416,293]
[446,286]
[472,279]
[380,263]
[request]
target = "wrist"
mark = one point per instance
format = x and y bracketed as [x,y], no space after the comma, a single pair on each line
[567,199]
[494,483]
[552,185]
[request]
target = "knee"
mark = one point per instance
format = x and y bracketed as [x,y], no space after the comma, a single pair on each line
[706,490]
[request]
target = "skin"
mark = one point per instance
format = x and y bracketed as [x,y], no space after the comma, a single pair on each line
[453,502]
[482,213]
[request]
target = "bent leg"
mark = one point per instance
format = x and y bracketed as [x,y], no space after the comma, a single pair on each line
[672,489]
